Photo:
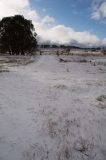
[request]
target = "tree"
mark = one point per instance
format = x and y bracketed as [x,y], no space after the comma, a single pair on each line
[104,51]
[17,35]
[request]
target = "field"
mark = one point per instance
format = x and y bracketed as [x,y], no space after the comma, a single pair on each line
[53,108]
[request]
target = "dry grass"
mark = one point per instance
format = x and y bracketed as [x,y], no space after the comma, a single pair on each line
[15,60]
[101,98]
[72,60]
[61,87]
[3,69]
[102,102]
[36,152]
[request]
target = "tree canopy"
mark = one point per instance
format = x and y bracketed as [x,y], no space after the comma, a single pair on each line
[17,35]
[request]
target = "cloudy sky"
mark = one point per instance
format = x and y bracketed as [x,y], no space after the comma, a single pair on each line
[70,22]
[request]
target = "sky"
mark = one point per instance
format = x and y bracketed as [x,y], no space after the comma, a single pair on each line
[68,22]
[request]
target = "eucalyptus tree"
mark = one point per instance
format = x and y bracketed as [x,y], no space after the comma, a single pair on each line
[17,35]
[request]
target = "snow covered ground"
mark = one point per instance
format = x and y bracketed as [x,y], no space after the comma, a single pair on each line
[51,110]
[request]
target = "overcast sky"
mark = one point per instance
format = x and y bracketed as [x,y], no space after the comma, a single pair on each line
[70,22]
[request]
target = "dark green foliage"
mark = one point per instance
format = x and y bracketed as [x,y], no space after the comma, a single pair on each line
[17,35]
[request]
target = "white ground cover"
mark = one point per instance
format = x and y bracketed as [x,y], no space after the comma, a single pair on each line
[50,110]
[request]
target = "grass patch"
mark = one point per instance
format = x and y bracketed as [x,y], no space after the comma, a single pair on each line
[101,98]
[3,69]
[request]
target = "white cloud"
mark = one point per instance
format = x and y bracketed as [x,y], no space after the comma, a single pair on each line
[104,42]
[99,10]
[12,7]
[61,34]
[48,21]
[46,27]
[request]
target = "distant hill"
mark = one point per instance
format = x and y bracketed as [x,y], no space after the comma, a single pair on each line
[70,47]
